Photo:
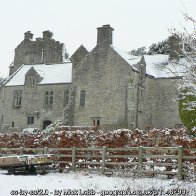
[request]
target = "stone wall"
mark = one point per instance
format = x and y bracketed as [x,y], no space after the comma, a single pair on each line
[166,113]
[104,75]
[33,103]
[116,95]
[146,103]
[41,51]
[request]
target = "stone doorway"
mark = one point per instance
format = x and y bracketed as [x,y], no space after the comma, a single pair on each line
[46,123]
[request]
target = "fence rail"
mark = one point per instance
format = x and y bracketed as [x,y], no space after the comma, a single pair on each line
[140,160]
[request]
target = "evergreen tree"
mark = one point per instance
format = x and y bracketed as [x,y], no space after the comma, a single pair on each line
[187,85]
[138,52]
[186,59]
[188,111]
[159,48]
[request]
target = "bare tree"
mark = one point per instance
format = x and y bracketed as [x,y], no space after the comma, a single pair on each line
[185,67]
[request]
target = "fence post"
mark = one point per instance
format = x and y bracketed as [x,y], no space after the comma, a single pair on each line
[180,166]
[21,150]
[74,158]
[140,159]
[45,150]
[103,160]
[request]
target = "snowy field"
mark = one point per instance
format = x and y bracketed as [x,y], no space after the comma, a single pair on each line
[81,183]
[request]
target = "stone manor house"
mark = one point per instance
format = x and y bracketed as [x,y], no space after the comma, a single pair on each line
[105,87]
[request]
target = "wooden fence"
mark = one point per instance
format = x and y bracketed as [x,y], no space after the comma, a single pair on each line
[138,160]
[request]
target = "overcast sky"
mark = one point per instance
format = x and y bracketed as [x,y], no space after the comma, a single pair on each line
[136,22]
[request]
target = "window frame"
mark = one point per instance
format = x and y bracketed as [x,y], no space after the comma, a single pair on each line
[31,81]
[96,121]
[82,98]
[30,120]
[49,98]
[17,98]
[12,124]
[66,97]
[32,78]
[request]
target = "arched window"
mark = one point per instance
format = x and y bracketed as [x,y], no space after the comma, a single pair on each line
[82,97]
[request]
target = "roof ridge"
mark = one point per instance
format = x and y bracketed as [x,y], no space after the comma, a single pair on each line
[10,77]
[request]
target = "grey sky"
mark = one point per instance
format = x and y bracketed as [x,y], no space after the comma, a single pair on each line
[136,22]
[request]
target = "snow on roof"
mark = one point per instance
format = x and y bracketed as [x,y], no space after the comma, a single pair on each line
[159,66]
[154,64]
[131,59]
[51,74]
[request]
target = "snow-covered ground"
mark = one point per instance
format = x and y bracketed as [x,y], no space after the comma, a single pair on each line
[94,184]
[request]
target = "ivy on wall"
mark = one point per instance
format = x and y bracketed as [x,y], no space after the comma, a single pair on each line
[188,112]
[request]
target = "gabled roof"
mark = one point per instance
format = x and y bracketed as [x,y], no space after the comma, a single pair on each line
[31,71]
[79,54]
[131,59]
[50,74]
[154,64]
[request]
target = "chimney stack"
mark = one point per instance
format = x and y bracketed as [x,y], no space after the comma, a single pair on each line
[104,35]
[28,35]
[47,35]
[175,46]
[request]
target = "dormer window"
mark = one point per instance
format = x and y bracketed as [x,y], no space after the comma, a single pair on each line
[32,78]
[31,81]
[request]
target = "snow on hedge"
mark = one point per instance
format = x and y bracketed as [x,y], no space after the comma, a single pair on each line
[65,136]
